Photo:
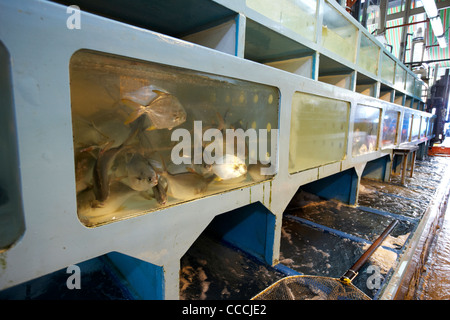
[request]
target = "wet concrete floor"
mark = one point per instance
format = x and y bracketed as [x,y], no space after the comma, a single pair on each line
[435,281]
[320,237]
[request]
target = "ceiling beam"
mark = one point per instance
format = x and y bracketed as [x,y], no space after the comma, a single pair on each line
[440,5]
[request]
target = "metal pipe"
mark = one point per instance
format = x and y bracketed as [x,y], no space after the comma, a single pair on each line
[407,24]
[429,61]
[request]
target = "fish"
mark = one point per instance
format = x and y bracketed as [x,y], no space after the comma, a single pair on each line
[103,164]
[101,177]
[140,174]
[91,215]
[163,109]
[144,95]
[86,133]
[160,191]
[185,185]
[84,163]
[202,169]
[254,171]
[230,167]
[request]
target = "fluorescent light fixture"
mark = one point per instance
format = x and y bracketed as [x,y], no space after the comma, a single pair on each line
[442,42]
[435,21]
[436,25]
[430,8]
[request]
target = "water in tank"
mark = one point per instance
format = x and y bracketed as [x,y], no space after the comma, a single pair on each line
[147,136]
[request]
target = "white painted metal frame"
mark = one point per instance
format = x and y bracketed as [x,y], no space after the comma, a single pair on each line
[41,46]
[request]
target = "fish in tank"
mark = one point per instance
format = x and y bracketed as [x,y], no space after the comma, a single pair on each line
[128,117]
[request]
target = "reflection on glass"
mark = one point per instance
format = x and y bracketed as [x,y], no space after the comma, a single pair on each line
[406,127]
[365,130]
[423,127]
[124,115]
[368,54]
[400,77]
[390,124]
[415,127]
[318,131]
[339,35]
[298,15]
[430,126]
[409,83]
[418,88]
[387,68]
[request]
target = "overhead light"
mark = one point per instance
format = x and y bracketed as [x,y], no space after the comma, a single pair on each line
[435,21]
[442,42]
[430,8]
[436,25]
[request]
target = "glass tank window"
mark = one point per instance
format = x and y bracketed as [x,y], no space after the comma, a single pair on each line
[365,130]
[390,125]
[319,129]
[147,136]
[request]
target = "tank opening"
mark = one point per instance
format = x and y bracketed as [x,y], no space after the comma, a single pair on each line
[231,259]
[203,22]
[341,186]
[113,276]
[335,73]
[264,45]
[365,85]
[377,169]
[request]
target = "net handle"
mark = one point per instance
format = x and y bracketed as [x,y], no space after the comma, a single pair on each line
[351,273]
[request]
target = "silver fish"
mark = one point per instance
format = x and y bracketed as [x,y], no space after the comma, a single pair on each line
[165,110]
[101,177]
[254,171]
[91,215]
[186,185]
[103,164]
[160,191]
[84,163]
[144,95]
[140,174]
[230,168]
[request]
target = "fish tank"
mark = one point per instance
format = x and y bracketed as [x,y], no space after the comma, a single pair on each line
[365,130]
[147,136]
[318,135]
[369,54]
[423,127]
[410,84]
[287,13]
[418,88]
[400,77]
[12,222]
[387,68]
[406,127]
[339,35]
[390,125]
[415,127]
[431,126]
